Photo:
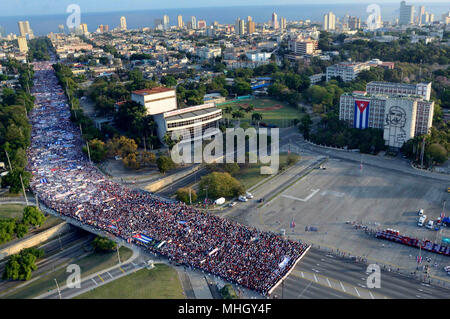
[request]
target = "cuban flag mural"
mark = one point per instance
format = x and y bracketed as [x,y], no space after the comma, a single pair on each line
[361,117]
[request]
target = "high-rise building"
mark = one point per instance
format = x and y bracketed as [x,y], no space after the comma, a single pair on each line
[354,23]
[101,28]
[166,22]
[275,21]
[180,21]
[401,117]
[283,23]
[25,30]
[406,16]
[201,24]
[194,23]
[61,28]
[251,28]
[249,18]
[123,23]
[106,28]
[421,13]
[23,46]
[303,46]
[84,28]
[329,21]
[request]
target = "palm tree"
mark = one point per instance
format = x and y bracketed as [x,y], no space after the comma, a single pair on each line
[228,109]
[250,108]
[238,115]
[257,117]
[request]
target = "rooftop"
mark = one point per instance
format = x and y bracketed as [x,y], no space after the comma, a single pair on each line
[159,89]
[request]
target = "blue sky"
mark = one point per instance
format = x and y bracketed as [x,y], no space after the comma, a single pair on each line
[40,7]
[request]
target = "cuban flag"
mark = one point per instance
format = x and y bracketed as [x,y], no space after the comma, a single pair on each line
[142,238]
[361,117]
[419,259]
[44,181]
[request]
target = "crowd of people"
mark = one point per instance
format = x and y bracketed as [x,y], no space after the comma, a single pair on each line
[65,181]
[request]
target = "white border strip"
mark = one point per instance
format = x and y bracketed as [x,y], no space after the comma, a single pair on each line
[289,272]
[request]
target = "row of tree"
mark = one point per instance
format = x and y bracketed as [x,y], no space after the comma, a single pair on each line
[32,217]
[15,130]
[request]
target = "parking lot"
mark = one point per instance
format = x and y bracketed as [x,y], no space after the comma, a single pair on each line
[343,192]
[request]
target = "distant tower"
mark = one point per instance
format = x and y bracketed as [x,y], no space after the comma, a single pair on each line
[166,22]
[180,21]
[275,21]
[25,30]
[123,23]
[329,21]
[406,16]
[283,23]
[61,28]
[23,46]
[194,23]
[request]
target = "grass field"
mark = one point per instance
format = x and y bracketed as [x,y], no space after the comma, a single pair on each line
[273,112]
[90,264]
[252,175]
[11,211]
[161,282]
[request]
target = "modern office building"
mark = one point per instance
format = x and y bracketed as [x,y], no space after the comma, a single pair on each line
[194,23]
[201,24]
[347,71]
[283,23]
[329,21]
[180,21]
[123,23]
[161,103]
[251,27]
[166,22]
[401,117]
[25,29]
[421,89]
[303,46]
[354,23]
[23,46]
[275,24]
[406,16]
[194,119]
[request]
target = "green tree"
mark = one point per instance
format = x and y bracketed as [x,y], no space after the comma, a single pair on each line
[97,149]
[437,152]
[33,216]
[220,185]
[165,164]
[13,180]
[103,244]
[183,195]
[305,126]
[21,230]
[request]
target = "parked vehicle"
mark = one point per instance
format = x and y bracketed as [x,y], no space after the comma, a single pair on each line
[422,220]
[231,204]
[420,212]
[430,224]
[248,195]
[242,199]
[219,201]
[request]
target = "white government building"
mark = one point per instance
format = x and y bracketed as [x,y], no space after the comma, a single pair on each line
[401,116]
[161,102]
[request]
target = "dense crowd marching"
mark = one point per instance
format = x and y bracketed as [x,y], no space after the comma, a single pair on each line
[68,183]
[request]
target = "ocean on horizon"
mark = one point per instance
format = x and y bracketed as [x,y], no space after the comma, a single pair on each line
[44,24]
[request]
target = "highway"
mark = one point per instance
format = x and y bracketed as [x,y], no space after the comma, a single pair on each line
[57,252]
[322,275]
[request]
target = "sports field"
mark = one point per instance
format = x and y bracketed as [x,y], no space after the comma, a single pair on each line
[273,112]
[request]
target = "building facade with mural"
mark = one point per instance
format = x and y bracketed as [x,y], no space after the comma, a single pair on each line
[401,117]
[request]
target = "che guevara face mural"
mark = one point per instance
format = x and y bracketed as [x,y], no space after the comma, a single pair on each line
[395,124]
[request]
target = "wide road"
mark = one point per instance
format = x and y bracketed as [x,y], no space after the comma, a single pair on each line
[323,275]
[57,252]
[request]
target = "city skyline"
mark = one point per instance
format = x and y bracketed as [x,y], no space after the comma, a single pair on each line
[51,7]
